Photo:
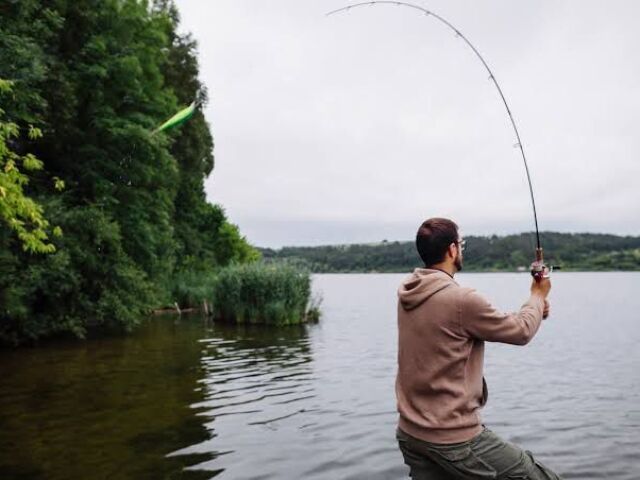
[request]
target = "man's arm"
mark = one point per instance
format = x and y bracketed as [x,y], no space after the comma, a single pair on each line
[479,319]
[547,309]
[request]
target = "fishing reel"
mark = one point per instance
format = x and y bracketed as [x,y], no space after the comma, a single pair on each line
[539,269]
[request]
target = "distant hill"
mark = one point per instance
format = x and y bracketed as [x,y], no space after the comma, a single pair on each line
[573,251]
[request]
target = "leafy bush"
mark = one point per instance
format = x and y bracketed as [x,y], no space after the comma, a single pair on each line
[89,282]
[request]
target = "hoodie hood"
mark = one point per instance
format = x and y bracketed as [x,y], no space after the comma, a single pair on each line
[421,285]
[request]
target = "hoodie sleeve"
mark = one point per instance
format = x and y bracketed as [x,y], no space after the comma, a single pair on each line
[479,319]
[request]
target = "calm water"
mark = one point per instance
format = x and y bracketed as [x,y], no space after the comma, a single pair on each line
[188,399]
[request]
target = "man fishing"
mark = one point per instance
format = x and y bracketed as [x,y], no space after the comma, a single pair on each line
[440,386]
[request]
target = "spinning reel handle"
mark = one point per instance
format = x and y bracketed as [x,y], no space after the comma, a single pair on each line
[538,268]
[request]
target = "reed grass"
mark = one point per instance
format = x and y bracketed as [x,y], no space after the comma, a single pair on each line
[190,288]
[267,293]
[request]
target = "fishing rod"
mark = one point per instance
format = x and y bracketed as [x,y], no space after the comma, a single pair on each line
[538,269]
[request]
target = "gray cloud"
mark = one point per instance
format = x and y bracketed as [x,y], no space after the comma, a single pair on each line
[356,127]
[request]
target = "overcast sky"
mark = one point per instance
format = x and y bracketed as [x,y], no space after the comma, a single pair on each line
[358,126]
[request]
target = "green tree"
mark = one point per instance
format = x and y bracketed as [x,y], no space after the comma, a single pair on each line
[97,77]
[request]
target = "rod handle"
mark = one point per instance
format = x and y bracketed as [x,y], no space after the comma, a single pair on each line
[538,269]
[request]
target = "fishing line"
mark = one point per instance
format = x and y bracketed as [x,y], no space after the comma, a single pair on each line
[492,77]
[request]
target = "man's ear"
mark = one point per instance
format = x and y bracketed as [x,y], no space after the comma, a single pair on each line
[452,251]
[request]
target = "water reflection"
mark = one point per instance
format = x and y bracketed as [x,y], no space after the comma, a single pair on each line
[106,408]
[169,401]
[253,379]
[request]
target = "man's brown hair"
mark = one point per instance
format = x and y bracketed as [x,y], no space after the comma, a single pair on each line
[433,239]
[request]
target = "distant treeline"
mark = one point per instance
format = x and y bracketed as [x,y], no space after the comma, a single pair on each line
[573,251]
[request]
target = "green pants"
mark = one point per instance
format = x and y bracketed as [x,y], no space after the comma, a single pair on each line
[486,456]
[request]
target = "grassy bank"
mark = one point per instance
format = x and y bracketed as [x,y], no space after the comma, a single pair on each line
[272,293]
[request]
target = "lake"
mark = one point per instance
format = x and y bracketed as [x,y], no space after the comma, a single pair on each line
[185,398]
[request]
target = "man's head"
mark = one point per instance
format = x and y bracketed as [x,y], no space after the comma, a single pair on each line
[439,245]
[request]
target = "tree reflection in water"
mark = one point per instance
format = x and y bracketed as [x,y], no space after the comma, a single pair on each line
[147,405]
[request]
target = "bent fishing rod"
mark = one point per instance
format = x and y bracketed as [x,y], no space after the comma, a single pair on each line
[538,269]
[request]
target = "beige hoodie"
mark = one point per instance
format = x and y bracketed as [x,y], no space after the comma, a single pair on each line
[441,332]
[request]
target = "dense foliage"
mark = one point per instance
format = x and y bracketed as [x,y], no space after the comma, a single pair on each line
[277,294]
[94,78]
[19,212]
[580,251]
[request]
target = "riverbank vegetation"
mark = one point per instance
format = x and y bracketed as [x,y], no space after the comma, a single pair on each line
[277,294]
[120,215]
[579,251]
